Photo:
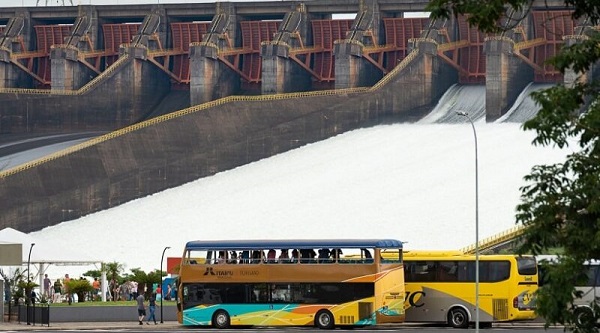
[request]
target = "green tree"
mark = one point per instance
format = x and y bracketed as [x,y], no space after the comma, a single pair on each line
[113,271]
[144,279]
[80,287]
[94,273]
[560,203]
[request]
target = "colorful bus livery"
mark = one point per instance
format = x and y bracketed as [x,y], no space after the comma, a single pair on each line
[440,288]
[291,283]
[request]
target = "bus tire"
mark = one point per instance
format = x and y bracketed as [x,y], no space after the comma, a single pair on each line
[458,318]
[584,317]
[221,319]
[324,320]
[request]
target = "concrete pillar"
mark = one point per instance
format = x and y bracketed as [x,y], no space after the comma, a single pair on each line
[162,30]
[280,74]
[103,285]
[571,77]
[10,75]
[92,41]
[142,82]
[209,78]
[2,300]
[506,76]
[351,69]
[64,65]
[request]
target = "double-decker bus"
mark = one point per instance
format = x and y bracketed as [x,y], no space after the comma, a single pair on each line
[306,282]
[440,288]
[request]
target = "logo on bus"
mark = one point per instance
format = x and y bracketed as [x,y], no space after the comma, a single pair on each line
[211,271]
[414,298]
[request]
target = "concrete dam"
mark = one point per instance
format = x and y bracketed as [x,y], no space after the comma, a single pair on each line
[188,90]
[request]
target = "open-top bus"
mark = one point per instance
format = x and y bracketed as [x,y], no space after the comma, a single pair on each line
[440,288]
[305,282]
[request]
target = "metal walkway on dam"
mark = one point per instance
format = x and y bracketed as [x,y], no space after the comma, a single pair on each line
[495,243]
[257,79]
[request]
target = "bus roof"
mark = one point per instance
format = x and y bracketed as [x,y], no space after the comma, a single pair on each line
[292,244]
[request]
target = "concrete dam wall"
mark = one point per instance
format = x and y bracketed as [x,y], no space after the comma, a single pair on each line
[200,141]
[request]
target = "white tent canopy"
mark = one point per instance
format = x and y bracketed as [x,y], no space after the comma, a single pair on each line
[44,254]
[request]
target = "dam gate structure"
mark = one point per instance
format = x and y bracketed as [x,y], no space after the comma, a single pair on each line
[188,90]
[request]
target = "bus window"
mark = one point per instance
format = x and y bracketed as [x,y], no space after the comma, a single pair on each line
[526,266]
[448,271]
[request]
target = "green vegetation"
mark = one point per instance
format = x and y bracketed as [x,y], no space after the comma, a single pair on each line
[560,203]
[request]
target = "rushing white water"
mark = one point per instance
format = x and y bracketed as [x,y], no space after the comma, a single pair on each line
[413,182]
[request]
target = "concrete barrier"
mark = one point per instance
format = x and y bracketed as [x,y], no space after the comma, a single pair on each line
[59,314]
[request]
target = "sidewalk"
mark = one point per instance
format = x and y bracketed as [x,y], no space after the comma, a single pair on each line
[16,326]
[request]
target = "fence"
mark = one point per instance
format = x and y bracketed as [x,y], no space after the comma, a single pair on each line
[24,313]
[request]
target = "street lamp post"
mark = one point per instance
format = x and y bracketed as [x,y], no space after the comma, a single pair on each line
[466,115]
[28,297]
[161,291]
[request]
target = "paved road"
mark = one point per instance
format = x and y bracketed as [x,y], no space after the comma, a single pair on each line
[172,326]
[19,149]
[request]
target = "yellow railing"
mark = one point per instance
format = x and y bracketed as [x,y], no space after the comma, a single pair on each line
[98,79]
[153,121]
[196,108]
[494,240]
[402,65]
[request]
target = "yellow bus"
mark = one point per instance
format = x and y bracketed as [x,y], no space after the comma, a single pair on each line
[440,288]
[308,282]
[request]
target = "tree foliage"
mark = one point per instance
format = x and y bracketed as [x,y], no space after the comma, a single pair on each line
[79,287]
[113,271]
[560,203]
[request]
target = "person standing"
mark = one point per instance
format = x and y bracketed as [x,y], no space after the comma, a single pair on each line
[57,290]
[47,285]
[66,281]
[96,286]
[152,309]
[141,309]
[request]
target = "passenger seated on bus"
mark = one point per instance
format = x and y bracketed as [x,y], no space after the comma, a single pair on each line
[324,256]
[222,257]
[295,256]
[307,255]
[232,258]
[245,257]
[367,255]
[336,254]
[284,257]
[271,257]
[258,256]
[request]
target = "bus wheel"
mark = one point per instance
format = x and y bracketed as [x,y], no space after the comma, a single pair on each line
[584,317]
[458,318]
[324,320]
[221,319]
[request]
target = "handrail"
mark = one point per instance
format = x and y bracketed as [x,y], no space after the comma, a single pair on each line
[496,239]
[402,65]
[98,79]
[153,121]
